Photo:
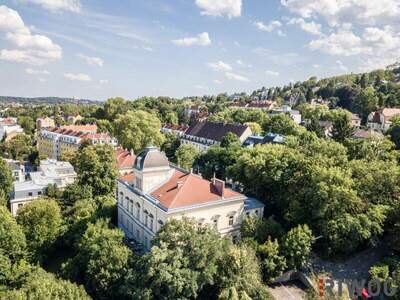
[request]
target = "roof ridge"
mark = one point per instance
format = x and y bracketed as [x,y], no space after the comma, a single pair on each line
[179,189]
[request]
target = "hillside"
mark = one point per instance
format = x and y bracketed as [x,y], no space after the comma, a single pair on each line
[44,100]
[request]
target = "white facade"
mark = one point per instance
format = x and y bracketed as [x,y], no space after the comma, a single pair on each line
[9,125]
[50,172]
[141,213]
[294,114]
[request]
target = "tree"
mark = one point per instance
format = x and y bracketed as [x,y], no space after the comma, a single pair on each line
[114,107]
[366,102]
[272,262]
[12,238]
[255,127]
[40,220]
[240,270]
[136,130]
[27,123]
[297,246]
[186,155]
[102,261]
[68,156]
[171,144]
[342,128]
[229,140]
[75,192]
[183,261]
[6,180]
[281,124]
[19,147]
[96,167]
[36,284]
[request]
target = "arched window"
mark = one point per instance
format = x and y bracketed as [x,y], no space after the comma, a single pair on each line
[137,211]
[151,222]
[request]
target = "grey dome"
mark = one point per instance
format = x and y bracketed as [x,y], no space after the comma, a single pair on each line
[151,157]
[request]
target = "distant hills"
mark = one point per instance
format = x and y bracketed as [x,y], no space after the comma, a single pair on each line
[45,100]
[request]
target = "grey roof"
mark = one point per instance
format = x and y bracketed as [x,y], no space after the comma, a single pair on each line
[151,157]
[252,203]
[215,131]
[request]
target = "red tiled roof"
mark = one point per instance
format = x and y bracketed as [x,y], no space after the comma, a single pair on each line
[125,159]
[84,128]
[8,122]
[182,128]
[184,189]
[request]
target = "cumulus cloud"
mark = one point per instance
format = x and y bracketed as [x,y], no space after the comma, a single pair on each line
[272,73]
[220,66]
[339,11]
[36,72]
[271,26]
[237,77]
[77,77]
[343,43]
[93,61]
[341,66]
[202,39]
[310,27]
[103,81]
[216,81]
[58,5]
[229,8]
[33,49]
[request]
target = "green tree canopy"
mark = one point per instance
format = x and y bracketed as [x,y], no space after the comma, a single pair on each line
[40,221]
[96,168]
[186,155]
[136,130]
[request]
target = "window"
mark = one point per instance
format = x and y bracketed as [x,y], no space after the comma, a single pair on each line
[138,211]
[231,221]
[20,205]
[256,212]
[146,219]
[30,194]
[215,223]
[151,222]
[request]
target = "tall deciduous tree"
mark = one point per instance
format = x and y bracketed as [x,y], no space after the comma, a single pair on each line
[12,238]
[136,130]
[297,246]
[186,155]
[6,179]
[40,221]
[96,167]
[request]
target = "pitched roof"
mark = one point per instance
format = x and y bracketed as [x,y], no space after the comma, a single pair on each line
[389,113]
[215,131]
[125,159]
[90,128]
[366,134]
[185,189]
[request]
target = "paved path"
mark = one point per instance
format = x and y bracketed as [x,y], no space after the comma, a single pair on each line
[288,291]
[356,267]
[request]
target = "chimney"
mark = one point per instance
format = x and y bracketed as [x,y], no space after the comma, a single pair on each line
[132,153]
[219,185]
[179,184]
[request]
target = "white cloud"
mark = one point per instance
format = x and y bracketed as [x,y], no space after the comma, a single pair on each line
[149,49]
[216,81]
[202,39]
[93,61]
[58,5]
[237,77]
[271,26]
[33,49]
[220,66]
[219,8]
[343,43]
[36,72]
[42,80]
[272,73]
[242,64]
[77,77]
[338,11]
[316,66]
[310,27]
[103,81]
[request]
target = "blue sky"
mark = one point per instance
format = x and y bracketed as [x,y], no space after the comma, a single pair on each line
[131,48]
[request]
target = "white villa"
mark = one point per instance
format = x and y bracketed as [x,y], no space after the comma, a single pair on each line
[382,119]
[156,192]
[50,171]
[8,126]
[285,109]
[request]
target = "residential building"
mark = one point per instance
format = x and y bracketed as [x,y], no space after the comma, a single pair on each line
[50,171]
[382,119]
[367,134]
[73,119]
[44,123]
[9,126]
[178,130]
[355,121]
[262,105]
[125,161]
[17,169]
[53,142]
[270,138]
[285,109]
[156,192]
[202,135]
